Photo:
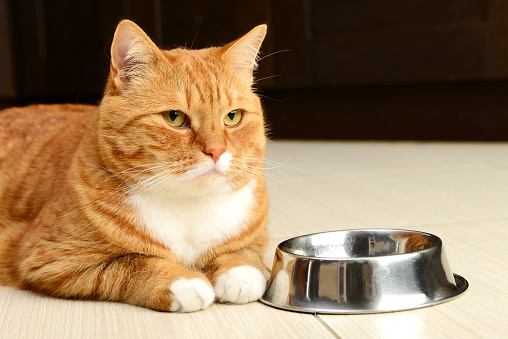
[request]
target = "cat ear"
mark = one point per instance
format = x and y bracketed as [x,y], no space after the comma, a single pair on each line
[242,53]
[131,50]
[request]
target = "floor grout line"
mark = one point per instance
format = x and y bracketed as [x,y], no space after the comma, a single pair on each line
[332,332]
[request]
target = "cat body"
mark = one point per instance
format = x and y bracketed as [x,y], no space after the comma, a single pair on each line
[156,197]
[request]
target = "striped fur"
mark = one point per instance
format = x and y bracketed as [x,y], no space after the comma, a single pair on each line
[112,203]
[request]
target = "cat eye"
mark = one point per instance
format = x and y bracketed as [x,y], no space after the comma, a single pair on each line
[175,118]
[233,118]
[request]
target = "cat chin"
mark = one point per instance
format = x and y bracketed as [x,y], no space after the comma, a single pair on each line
[207,184]
[206,173]
[212,177]
[195,188]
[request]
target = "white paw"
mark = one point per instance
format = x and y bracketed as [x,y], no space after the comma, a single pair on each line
[240,285]
[191,295]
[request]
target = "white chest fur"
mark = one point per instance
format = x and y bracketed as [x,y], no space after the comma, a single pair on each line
[191,226]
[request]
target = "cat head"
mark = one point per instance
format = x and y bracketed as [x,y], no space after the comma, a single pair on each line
[182,117]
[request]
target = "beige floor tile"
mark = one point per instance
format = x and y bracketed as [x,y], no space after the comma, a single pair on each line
[27,315]
[477,251]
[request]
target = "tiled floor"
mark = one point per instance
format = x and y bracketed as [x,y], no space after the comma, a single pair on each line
[458,191]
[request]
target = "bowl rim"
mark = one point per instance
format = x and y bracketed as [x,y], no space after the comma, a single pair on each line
[439,243]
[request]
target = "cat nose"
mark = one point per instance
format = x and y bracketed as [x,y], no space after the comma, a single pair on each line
[215,152]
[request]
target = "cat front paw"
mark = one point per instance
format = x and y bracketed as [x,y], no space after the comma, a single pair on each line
[240,285]
[191,295]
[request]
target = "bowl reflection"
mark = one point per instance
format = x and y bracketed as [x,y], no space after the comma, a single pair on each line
[361,271]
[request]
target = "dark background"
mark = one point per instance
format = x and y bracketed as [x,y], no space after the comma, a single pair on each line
[339,69]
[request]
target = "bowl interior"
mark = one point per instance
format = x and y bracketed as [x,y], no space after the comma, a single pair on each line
[358,243]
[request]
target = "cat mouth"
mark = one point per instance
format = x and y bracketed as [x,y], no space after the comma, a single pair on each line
[208,173]
[211,174]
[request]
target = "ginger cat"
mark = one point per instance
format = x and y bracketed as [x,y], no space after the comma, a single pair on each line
[156,197]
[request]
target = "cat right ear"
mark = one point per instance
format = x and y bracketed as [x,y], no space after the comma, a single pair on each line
[131,51]
[242,53]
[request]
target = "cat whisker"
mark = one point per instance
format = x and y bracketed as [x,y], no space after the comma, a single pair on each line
[277,52]
[247,177]
[277,164]
[149,183]
[276,143]
[268,77]
[170,189]
[267,97]
[116,190]
[195,35]
[267,177]
[158,165]
[144,184]
[163,176]
[97,132]
[134,169]
[252,171]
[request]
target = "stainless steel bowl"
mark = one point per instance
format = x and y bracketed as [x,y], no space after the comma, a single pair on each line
[361,271]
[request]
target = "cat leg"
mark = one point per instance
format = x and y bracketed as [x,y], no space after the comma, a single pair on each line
[238,277]
[141,280]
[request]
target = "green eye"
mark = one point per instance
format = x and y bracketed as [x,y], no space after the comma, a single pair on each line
[175,118]
[233,118]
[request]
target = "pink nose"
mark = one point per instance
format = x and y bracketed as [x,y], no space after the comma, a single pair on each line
[215,153]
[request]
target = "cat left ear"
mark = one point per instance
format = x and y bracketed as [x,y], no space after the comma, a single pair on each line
[242,53]
[131,50]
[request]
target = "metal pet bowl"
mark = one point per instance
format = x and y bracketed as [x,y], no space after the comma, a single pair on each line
[361,271]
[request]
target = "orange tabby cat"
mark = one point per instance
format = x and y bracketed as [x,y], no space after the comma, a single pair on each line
[155,198]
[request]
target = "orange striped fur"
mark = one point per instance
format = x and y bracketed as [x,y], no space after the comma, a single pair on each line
[113,203]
